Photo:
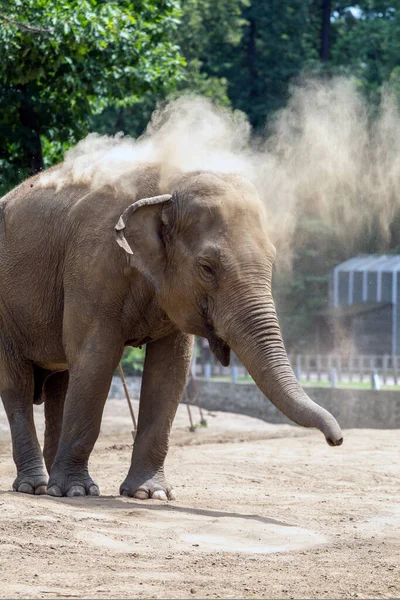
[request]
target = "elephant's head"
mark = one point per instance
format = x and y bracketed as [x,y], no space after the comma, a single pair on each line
[206,251]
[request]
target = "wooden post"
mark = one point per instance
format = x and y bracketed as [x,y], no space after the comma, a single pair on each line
[203,422]
[128,399]
[192,427]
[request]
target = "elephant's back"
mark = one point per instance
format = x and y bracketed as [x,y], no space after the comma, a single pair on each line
[46,229]
[35,220]
[35,233]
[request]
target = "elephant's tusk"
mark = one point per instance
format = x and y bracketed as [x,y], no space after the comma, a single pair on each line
[121,241]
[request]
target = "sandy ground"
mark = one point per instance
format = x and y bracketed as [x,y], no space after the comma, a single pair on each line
[263,511]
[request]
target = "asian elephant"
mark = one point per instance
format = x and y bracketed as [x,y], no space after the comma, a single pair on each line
[85,272]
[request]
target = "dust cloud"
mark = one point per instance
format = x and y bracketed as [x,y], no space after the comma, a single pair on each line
[338,160]
[327,154]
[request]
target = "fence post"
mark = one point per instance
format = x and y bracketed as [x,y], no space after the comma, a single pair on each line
[384,368]
[307,366]
[207,370]
[318,366]
[333,377]
[375,381]
[394,362]
[298,367]
[234,372]
[372,364]
[338,367]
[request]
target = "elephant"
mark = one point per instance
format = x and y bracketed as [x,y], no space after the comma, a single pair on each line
[86,271]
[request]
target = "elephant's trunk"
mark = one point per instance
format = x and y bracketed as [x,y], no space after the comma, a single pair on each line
[255,337]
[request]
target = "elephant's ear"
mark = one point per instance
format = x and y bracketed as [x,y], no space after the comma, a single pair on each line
[139,236]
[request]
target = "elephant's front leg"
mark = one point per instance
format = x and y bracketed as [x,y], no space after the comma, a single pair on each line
[166,369]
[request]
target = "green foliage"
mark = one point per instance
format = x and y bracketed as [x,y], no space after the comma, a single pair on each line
[366,43]
[209,34]
[274,48]
[209,37]
[76,58]
[132,361]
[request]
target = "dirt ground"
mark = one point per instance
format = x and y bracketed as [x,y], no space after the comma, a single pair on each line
[263,511]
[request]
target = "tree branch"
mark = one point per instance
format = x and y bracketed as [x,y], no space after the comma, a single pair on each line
[25,26]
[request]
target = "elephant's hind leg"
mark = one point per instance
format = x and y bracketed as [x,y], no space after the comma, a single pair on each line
[55,389]
[91,366]
[17,391]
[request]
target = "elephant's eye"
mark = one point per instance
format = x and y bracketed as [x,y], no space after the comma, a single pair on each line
[207,271]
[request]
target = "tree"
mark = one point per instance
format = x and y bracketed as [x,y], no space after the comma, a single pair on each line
[209,37]
[276,45]
[62,61]
[366,43]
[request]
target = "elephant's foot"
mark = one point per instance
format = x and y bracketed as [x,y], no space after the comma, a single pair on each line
[145,486]
[76,484]
[31,484]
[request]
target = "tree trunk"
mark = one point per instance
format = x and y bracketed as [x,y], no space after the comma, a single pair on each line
[251,59]
[325,30]
[31,142]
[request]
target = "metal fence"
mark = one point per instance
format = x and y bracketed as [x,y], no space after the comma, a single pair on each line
[347,369]
[312,369]
[320,369]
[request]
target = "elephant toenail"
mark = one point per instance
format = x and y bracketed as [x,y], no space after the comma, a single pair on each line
[76,490]
[54,490]
[159,495]
[26,488]
[141,494]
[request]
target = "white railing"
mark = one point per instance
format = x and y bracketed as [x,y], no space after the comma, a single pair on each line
[355,368]
[311,369]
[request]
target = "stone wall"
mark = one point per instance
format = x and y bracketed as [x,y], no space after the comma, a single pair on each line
[352,408]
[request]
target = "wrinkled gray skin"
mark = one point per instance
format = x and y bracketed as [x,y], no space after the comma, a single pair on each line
[71,299]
